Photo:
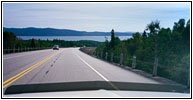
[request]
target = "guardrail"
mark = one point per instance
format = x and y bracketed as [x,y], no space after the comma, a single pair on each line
[15,50]
[88,50]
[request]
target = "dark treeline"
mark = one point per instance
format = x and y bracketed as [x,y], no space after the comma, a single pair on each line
[170,47]
[10,41]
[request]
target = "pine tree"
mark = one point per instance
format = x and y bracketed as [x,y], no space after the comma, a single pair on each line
[112,39]
[32,43]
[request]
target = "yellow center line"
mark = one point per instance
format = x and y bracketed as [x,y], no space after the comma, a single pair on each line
[21,74]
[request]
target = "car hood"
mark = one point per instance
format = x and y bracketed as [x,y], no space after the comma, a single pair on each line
[96,88]
[101,94]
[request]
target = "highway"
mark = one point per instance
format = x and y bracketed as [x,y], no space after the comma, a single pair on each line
[64,65]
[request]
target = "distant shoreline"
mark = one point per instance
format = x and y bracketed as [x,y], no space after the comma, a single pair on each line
[59,32]
[70,35]
[73,38]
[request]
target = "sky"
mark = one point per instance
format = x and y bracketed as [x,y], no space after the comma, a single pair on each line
[101,16]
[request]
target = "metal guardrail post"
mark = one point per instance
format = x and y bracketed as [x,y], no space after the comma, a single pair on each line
[134,62]
[121,58]
[155,67]
[106,55]
[112,57]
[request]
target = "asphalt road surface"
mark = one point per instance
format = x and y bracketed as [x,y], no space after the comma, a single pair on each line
[64,65]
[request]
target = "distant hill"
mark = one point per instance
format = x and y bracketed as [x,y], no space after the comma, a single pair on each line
[31,31]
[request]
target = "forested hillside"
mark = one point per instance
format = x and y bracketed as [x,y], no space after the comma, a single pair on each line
[170,46]
[31,31]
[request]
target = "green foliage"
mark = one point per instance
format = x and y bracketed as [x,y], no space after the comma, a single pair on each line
[33,43]
[112,43]
[153,27]
[144,34]
[9,40]
[171,47]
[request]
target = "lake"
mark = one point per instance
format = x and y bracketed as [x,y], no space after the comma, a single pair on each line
[73,38]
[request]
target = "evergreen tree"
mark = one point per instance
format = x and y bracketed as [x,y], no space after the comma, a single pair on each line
[33,43]
[144,34]
[170,47]
[112,38]
[154,28]
[9,40]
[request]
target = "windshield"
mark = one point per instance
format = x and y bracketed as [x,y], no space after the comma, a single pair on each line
[111,46]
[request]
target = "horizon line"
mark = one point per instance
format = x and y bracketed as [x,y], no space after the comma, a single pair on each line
[73,29]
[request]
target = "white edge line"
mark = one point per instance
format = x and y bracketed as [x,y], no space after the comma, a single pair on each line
[91,67]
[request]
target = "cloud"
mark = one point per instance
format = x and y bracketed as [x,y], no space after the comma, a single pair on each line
[93,16]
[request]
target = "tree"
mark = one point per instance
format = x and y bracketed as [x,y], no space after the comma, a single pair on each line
[9,39]
[40,43]
[144,34]
[186,36]
[179,26]
[137,41]
[171,47]
[106,43]
[112,43]
[154,28]
[32,43]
